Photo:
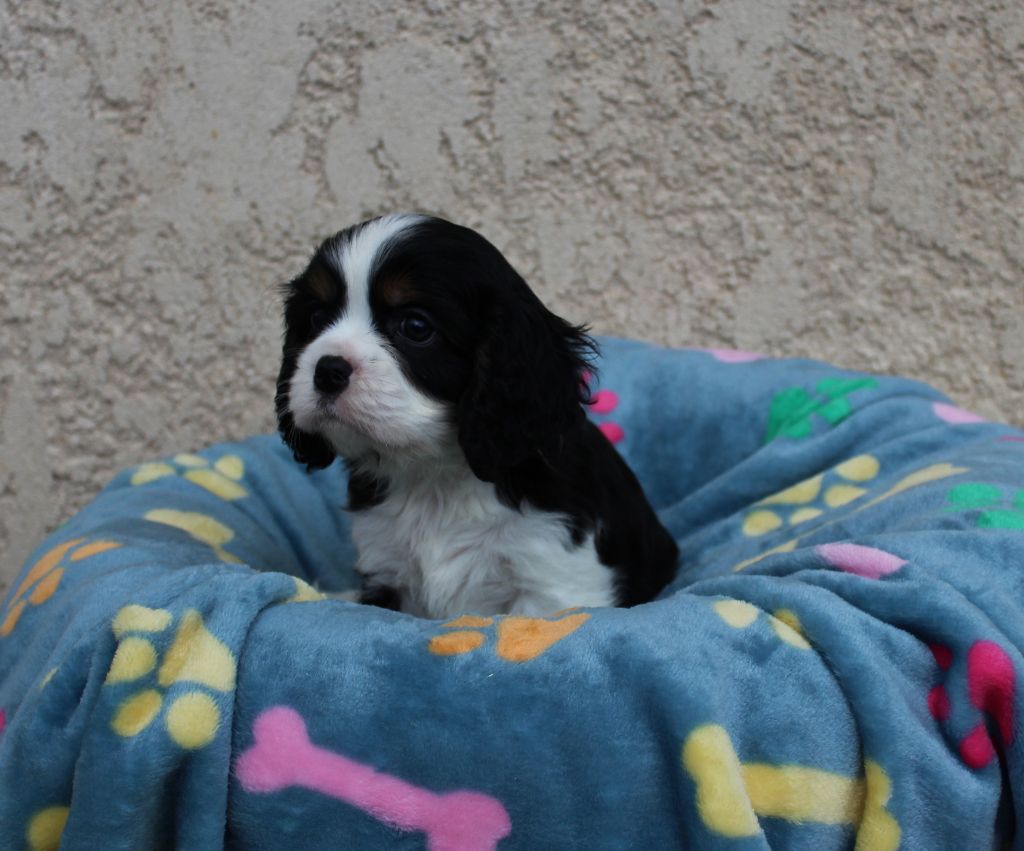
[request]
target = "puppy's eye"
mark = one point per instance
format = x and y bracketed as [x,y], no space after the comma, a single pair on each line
[318,318]
[416,328]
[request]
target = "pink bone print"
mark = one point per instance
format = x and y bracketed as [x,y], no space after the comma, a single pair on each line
[733,355]
[283,756]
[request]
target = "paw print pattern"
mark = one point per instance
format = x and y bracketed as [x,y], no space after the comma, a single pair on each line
[991,689]
[201,527]
[519,639]
[731,795]
[923,476]
[43,578]
[793,410]
[784,622]
[46,827]
[222,479]
[996,509]
[195,657]
[603,403]
[810,498]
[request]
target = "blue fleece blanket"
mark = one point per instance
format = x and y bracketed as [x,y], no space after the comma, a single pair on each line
[835,666]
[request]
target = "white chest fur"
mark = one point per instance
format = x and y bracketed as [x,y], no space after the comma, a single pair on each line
[447,545]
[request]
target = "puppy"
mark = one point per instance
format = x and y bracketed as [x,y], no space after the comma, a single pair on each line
[417,353]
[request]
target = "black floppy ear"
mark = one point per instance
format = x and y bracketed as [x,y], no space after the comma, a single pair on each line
[525,394]
[309,449]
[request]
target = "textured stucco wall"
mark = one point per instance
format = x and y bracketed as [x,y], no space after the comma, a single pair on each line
[804,178]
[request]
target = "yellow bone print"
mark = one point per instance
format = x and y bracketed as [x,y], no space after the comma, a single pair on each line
[202,527]
[731,795]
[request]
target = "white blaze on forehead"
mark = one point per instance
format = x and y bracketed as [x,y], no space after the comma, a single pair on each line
[380,407]
[355,259]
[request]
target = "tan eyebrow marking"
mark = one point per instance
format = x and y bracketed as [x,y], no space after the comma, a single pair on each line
[322,284]
[395,291]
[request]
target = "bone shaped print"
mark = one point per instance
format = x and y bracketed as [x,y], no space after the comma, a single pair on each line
[283,756]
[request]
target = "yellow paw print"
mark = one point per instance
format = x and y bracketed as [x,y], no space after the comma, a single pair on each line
[43,578]
[202,527]
[784,622]
[195,656]
[46,827]
[519,639]
[222,479]
[732,795]
[769,520]
[804,501]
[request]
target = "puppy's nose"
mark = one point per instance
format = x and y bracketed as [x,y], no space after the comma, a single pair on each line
[331,374]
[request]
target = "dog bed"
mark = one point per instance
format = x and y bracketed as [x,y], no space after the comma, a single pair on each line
[835,666]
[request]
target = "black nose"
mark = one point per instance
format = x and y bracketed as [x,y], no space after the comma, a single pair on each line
[332,374]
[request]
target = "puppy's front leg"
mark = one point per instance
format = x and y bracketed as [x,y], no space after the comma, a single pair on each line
[381,596]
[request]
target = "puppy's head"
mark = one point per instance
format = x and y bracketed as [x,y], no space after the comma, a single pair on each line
[409,336]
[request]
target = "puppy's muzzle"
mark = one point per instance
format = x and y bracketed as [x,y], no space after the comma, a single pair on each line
[331,375]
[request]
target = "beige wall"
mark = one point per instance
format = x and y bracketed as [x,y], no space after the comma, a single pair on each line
[804,178]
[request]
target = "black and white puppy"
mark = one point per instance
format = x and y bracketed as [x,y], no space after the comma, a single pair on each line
[416,352]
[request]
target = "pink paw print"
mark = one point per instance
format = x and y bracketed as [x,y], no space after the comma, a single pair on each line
[604,402]
[990,688]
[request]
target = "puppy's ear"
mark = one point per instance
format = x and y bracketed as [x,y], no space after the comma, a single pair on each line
[309,449]
[524,397]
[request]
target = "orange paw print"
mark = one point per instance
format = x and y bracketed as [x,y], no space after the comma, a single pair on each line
[43,578]
[519,639]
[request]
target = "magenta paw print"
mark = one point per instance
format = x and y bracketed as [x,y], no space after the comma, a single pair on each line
[991,688]
[602,403]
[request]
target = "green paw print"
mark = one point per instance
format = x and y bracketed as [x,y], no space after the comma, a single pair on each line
[222,479]
[997,512]
[793,409]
